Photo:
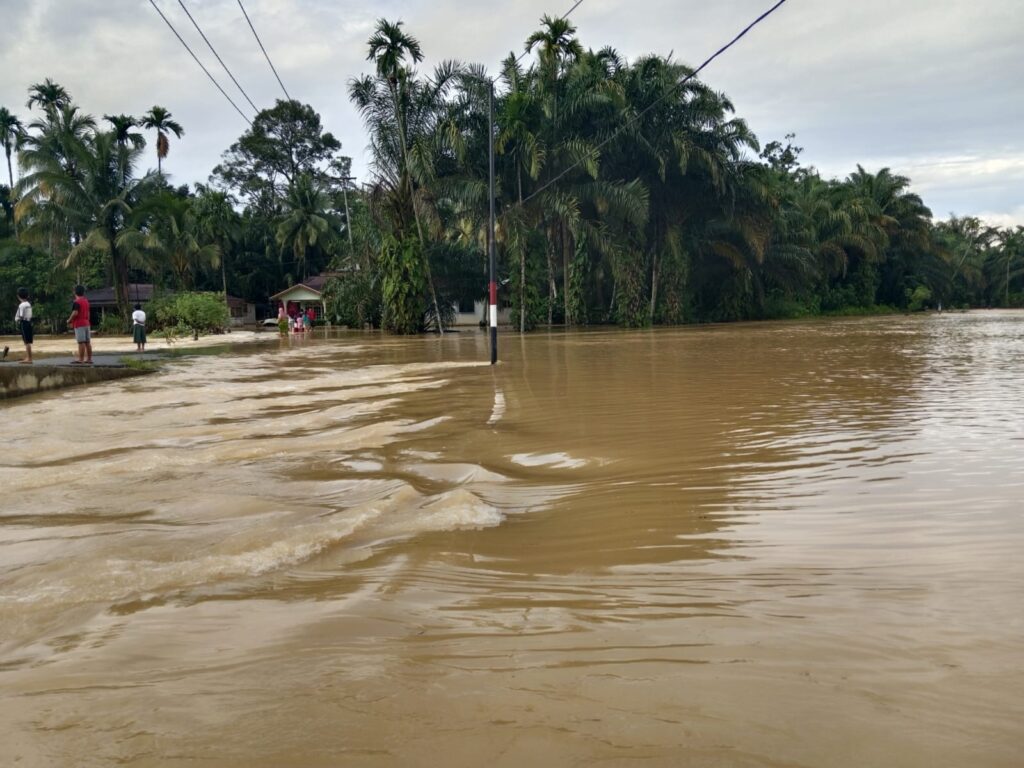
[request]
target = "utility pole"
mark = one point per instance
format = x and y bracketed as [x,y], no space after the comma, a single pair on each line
[348,219]
[491,247]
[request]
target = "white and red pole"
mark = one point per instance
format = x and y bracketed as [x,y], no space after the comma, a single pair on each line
[491,248]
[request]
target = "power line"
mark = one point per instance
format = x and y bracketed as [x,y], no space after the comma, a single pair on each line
[265,54]
[664,96]
[212,79]
[214,52]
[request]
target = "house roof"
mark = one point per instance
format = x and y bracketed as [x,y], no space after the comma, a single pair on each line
[313,284]
[137,293]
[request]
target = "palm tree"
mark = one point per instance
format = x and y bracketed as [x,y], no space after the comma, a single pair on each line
[518,118]
[122,126]
[217,222]
[306,223]
[58,137]
[681,141]
[1011,253]
[404,116]
[81,197]
[48,95]
[11,134]
[165,234]
[558,49]
[159,119]
[967,242]
[123,134]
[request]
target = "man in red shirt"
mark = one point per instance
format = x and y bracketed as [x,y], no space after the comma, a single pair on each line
[79,320]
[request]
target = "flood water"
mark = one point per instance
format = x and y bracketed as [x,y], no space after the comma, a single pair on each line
[780,544]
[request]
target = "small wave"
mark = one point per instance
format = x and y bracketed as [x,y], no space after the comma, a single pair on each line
[554,460]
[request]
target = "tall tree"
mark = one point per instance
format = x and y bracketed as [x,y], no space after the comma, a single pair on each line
[122,126]
[159,120]
[219,223]
[11,133]
[409,128]
[48,95]
[82,197]
[307,224]
[165,235]
[283,143]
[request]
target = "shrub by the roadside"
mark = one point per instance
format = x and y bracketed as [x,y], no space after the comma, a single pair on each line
[194,313]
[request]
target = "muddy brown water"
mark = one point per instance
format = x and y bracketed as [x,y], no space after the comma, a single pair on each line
[792,544]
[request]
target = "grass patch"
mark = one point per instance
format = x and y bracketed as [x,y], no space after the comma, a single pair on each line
[138,365]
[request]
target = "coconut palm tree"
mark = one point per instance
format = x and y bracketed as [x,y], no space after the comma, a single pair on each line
[159,119]
[81,197]
[219,223]
[307,223]
[165,235]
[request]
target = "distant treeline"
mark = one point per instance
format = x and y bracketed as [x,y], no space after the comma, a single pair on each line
[626,194]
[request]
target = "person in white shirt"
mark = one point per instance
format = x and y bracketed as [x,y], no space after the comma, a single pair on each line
[139,328]
[23,319]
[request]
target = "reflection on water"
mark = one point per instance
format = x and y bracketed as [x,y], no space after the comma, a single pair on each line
[790,544]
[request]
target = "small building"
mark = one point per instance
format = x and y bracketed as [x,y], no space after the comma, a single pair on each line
[241,312]
[473,312]
[103,301]
[303,296]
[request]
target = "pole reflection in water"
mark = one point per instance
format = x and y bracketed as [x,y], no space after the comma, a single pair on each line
[750,545]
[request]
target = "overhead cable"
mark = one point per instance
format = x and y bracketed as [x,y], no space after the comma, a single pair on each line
[214,52]
[265,54]
[212,78]
[664,96]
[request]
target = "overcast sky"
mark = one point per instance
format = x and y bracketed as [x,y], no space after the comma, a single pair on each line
[933,89]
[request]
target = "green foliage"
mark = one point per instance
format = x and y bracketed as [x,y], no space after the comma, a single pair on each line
[354,299]
[676,218]
[918,298]
[196,312]
[283,143]
[403,286]
[112,325]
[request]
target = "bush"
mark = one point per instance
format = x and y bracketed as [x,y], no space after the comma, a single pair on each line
[112,325]
[918,298]
[403,286]
[353,299]
[194,313]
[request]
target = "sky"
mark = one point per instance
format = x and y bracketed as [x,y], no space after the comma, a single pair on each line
[932,90]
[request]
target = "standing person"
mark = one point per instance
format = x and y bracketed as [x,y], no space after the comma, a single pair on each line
[23,319]
[79,320]
[139,328]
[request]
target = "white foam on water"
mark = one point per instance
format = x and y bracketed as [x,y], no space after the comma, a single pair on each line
[459,510]
[554,460]
[498,411]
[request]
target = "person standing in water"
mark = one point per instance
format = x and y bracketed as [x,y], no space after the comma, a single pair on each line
[23,319]
[79,321]
[139,328]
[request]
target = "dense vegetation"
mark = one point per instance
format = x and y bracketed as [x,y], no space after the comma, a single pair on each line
[624,195]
